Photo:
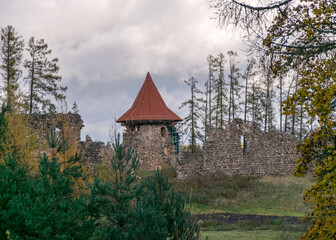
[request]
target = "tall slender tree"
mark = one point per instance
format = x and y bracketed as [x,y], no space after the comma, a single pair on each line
[194,113]
[220,92]
[43,78]
[265,66]
[255,102]
[234,85]
[11,48]
[209,88]
[248,74]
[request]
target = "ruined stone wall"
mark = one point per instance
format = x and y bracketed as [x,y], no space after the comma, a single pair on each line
[265,153]
[44,122]
[189,163]
[94,153]
[153,148]
[70,124]
[223,151]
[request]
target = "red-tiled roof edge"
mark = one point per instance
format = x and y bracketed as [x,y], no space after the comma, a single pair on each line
[149,106]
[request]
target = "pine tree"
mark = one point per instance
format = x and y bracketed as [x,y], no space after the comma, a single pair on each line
[249,73]
[220,92]
[234,86]
[267,81]
[60,215]
[113,198]
[17,202]
[43,206]
[11,48]
[43,78]
[162,212]
[255,103]
[75,109]
[194,113]
[209,88]
[128,209]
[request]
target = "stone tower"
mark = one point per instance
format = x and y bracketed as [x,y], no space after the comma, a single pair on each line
[150,129]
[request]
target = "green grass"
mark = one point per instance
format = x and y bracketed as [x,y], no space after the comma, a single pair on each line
[249,225]
[249,235]
[281,196]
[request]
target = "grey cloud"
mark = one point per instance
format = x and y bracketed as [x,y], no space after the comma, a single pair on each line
[106,47]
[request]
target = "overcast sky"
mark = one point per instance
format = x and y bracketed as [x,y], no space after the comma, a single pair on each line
[106,47]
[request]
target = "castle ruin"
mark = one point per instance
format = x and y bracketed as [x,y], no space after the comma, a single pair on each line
[242,149]
[239,148]
[150,130]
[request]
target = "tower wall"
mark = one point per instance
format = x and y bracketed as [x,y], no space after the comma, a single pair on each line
[153,144]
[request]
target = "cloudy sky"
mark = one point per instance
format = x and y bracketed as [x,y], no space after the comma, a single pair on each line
[106,47]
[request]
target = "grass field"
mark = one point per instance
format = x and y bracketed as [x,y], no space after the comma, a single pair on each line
[249,235]
[282,196]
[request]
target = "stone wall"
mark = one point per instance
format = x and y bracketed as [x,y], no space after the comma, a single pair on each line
[94,153]
[153,145]
[71,125]
[264,153]
[189,163]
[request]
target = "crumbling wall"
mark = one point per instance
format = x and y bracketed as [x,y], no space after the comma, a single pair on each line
[268,153]
[153,144]
[264,153]
[94,153]
[44,122]
[188,163]
[223,151]
[71,125]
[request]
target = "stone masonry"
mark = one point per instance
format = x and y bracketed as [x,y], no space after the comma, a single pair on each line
[93,152]
[153,145]
[264,153]
[44,122]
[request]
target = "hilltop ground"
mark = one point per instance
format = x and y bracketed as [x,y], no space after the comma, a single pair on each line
[247,207]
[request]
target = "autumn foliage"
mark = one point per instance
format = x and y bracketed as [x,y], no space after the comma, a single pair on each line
[312,53]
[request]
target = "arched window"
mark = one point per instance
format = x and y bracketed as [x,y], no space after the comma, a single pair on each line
[163,132]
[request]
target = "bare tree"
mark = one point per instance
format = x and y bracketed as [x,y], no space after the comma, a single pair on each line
[114,130]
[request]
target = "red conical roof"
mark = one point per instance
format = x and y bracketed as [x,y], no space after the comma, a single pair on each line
[149,106]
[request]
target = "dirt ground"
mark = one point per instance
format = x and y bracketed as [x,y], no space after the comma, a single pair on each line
[234,218]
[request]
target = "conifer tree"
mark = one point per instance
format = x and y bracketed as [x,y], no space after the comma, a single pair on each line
[209,88]
[255,103]
[113,199]
[43,206]
[60,215]
[249,73]
[17,202]
[220,92]
[267,81]
[11,48]
[147,210]
[235,87]
[194,113]
[43,78]
[162,212]
[75,109]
